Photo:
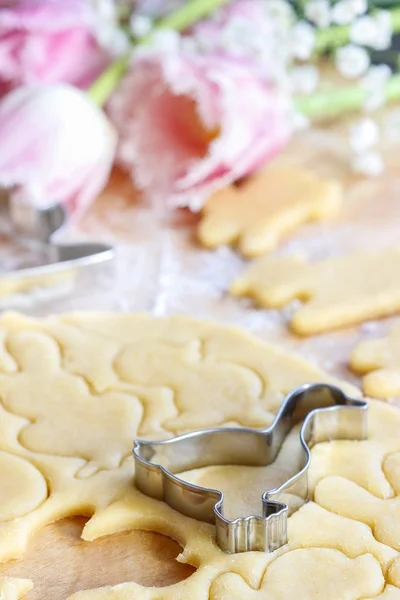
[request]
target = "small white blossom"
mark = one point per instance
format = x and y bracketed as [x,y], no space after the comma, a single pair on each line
[107,31]
[304,79]
[302,40]
[345,11]
[384,30]
[319,12]
[363,135]
[140,25]
[352,61]
[391,126]
[369,163]
[165,40]
[280,12]
[374,82]
[376,76]
[373,31]
[239,37]
[105,9]
[300,122]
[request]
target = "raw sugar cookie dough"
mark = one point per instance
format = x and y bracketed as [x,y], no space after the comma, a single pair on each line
[265,207]
[69,380]
[336,292]
[12,588]
[379,361]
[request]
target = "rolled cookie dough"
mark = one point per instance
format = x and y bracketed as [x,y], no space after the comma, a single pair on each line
[265,207]
[69,380]
[379,361]
[336,292]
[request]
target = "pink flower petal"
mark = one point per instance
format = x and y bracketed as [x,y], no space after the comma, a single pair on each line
[49,41]
[190,124]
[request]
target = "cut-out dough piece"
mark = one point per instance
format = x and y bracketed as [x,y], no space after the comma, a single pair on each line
[364,468]
[314,526]
[346,498]
[379,360]
[394,572]
[308,574]
[391,468]
[337,292]
[265,207]
[22,487]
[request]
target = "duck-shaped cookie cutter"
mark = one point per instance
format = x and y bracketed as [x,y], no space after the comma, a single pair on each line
[326,414]
[38,231]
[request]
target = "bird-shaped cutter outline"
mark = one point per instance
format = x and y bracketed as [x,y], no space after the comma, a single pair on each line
[328,413]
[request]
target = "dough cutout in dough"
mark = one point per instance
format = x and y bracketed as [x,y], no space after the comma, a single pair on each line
[336,292]
[256,214]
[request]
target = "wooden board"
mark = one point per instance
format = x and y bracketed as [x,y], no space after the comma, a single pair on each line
[60,563]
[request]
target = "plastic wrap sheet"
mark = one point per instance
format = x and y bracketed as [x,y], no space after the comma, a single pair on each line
[160,267]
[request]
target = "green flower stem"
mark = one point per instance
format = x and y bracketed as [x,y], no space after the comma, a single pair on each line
[191,12]
[104,85]
[339,35]
[346,99]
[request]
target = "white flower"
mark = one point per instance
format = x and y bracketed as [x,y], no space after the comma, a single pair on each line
[304,79]
[352,61]
[384,30]
[140,25]
[345,11]
[302,40]
[374,82]
[391,126]
[300,122]
[164,40]
[363,135]
[376,76]
[319,12]
[239,37]
[108,32]
[369,163]
[280,12]
[373,31]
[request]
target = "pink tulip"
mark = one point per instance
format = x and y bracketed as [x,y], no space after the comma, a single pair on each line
[190,123]
[56,146]
[49,41]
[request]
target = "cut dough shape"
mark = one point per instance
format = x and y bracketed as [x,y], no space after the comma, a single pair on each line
[309,573]
[312,525]
[346,498]
[119,376]
[22,487]
[394,572]
[265,207]
[379,361]
[391,468]
[364,468]
[336,291]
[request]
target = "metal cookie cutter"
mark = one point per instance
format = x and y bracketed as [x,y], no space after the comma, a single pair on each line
[327,414]
[56,264]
